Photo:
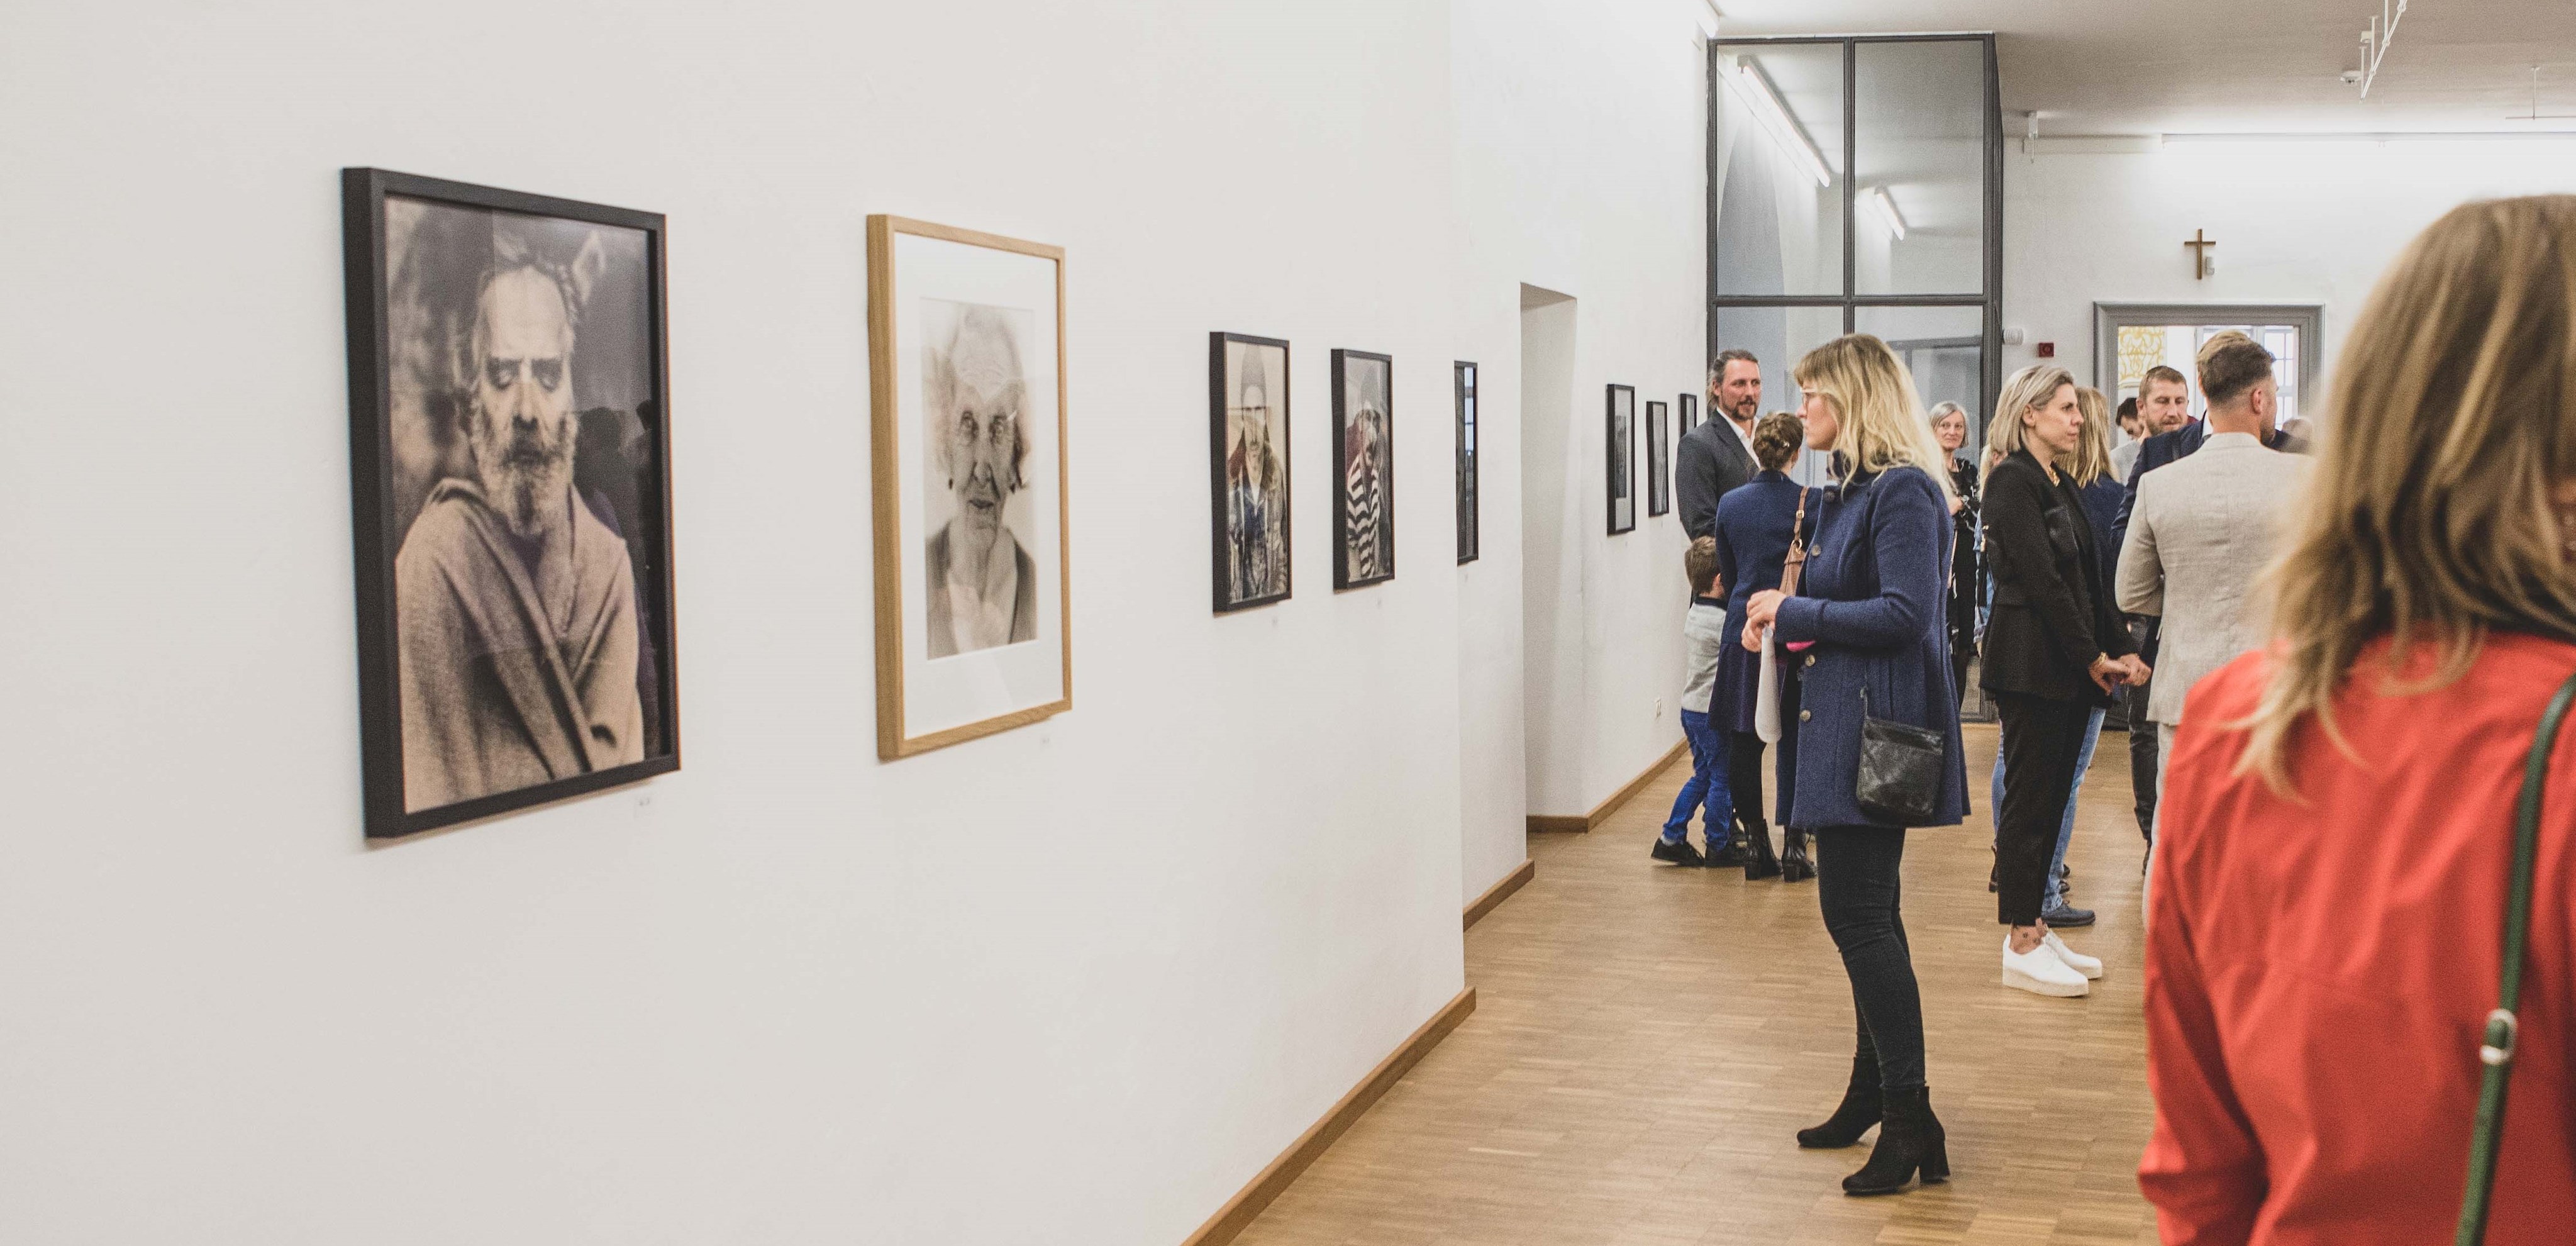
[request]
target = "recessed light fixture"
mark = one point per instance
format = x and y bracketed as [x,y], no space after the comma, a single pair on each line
[1886,204]
[1754,87]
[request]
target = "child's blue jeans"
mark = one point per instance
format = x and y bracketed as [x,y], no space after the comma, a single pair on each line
[1707,786]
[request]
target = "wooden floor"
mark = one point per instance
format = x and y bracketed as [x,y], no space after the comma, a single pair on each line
[1648,1038]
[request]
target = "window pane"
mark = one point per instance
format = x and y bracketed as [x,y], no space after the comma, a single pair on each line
[1944,347]
[1919,150]
[1775,163]
[1778,336]
[2177,346]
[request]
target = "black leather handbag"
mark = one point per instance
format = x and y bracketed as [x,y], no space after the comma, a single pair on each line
[1900,770]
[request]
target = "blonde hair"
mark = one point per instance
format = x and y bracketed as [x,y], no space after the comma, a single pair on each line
[2428,514]
[2093,445]
[2031,387]
[1881,417]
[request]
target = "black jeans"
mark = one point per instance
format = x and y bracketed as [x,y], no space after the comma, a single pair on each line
[1857,884]
[2042,740]
[1744,782]
[2142,735]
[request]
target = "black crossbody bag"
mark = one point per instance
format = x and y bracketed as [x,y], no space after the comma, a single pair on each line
[1899,779]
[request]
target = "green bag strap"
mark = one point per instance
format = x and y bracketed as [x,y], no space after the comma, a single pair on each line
[2496,1048]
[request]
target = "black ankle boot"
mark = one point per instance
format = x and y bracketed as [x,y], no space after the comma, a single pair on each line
[1910,1140]
[1758,861]
[1795,865]
[1861,1107]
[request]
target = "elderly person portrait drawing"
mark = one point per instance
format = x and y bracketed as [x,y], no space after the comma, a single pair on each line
[515,605]
[1254,475]
[982,586]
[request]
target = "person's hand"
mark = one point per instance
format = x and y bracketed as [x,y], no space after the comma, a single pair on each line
[1763,608]
[2108,673]
[2138,670]
[1752,638]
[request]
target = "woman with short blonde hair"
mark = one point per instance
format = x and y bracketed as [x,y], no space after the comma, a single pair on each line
[1870,618]
[2337,831]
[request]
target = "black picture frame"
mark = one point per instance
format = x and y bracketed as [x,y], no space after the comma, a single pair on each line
[1356,565]
[1619,437]
[1221,537]
[1659,478]
[373,475]
[1686,416]
[1470,537]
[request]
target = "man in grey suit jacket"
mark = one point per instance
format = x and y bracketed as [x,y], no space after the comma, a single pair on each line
[1718,455]
[2204,527]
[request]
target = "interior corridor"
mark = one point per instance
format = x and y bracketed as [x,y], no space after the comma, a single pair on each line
[1648,1038]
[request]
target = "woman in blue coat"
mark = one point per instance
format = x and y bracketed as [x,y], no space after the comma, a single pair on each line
[1755,524]
[1871,615]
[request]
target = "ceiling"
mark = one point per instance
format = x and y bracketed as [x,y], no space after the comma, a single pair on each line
[2200,66]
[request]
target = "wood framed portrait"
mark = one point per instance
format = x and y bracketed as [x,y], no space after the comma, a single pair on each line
[511,498]
[966,378]
[1470,540]
[1248,470]
[1659,476]
[1620,420]
[1364,482]
[1686,415]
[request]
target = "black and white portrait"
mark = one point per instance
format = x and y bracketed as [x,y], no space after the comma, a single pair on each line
[1659,476]
[1688,417]
[1622,418]
[1364,521]
[966,363]
[1469,539]
[513,447]
[974,392]
[1248,448]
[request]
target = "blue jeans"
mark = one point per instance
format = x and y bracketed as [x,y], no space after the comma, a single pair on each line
[2065,828]
[1707,786]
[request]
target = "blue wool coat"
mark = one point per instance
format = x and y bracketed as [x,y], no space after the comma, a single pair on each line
[1872,599]
[1753,522]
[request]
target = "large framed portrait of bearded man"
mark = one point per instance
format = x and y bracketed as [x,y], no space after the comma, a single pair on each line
[1248,469]
[966,373]
[510,482]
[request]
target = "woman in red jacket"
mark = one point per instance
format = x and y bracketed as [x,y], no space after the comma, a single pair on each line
[2325,925]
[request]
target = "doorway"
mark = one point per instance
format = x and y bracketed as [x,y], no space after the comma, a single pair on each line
[1554,708]
[2129,338]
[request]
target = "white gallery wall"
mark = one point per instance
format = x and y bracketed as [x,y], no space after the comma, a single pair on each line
[1581,169]
[2305,221]
[1075,983]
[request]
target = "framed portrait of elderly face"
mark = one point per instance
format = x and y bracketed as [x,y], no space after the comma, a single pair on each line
[1659,479]
[1248,469]
[1623,459]
[1364,476]
[510,481]
[966,345]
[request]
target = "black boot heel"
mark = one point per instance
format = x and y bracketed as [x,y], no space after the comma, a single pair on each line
[1861,1108]
[1910,1140]
[1795,865]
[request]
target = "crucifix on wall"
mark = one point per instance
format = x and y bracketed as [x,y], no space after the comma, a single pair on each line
[2200,242]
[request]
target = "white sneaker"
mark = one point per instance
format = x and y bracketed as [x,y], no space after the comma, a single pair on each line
[2077,961]
[2039,972]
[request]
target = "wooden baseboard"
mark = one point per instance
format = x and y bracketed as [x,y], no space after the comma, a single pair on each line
[1500,892]
[1541,823]
[1238,1213]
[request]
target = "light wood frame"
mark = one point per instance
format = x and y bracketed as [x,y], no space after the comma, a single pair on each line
[892,740]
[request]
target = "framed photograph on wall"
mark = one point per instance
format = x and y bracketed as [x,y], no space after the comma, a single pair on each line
[1469,543]
[1364,479]
[511,496]
[1659,477]
[1248,469]
[1687,417]
[1622,421]
[966,375]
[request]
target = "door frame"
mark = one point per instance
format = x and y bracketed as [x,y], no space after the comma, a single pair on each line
[2308,318]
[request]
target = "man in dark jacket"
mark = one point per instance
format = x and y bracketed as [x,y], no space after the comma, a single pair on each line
[1718,455]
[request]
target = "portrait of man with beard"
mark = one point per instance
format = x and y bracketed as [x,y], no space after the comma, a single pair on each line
[983,586]
[520,441]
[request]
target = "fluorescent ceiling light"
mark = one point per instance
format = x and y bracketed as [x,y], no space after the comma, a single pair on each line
[1754,87]
[1878,198]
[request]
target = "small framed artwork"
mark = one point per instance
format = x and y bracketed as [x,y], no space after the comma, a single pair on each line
[1364,484]
[1622,421]
[966,375]
[1248,469]
[1468,550]
[1686,416]
[1659,481]
[511,492]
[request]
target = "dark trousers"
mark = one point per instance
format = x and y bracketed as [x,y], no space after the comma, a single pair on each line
[2142,760]
[2043,739]
[1858,885]
[1744,782]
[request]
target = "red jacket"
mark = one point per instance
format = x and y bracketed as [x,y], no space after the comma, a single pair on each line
[2318,975]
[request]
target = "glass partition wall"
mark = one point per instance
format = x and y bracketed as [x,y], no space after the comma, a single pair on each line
[1856,185]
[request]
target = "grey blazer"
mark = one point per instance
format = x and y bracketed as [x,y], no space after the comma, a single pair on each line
[2199,537]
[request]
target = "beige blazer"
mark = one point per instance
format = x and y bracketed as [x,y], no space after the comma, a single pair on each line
[2200,535]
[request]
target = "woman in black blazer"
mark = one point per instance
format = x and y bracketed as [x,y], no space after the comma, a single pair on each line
[2055,649]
